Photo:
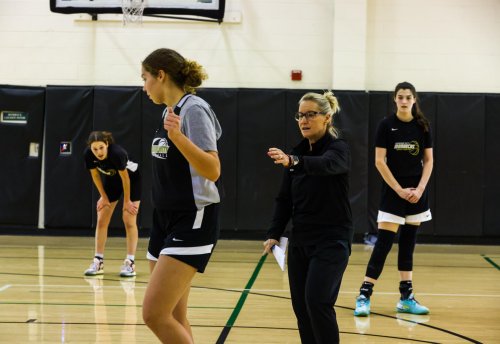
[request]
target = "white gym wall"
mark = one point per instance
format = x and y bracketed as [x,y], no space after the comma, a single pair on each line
[439,45]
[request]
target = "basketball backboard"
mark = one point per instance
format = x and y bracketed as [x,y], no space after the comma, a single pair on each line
[213,9]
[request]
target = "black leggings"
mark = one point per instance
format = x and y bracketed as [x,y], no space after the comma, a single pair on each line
[315,273]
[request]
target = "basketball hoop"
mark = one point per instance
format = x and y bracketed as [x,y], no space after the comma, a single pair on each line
[132,11]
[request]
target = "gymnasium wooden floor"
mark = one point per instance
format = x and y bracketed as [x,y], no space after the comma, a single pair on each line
[242,297]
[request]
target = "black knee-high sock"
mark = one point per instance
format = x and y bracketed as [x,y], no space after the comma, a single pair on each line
[380,251]
[407,241]
[366,289]
[406,289]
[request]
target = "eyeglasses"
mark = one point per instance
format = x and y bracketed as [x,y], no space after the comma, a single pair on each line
[307,115]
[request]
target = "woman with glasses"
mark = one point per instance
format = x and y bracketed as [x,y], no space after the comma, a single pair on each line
[403,156]
[314,195]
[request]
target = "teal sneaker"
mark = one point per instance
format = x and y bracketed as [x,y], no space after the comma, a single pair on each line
[362,306]
[411,306]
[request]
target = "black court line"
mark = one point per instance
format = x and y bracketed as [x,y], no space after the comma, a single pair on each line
[230,324]
[34,321]
[406,339]
[93,305]
[113,280]
[243,297]
[455,334]
[343,332]
[471,340]
[235,313]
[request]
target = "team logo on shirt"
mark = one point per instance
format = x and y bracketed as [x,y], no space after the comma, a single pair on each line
[411,147]
[110,172]
[159,148]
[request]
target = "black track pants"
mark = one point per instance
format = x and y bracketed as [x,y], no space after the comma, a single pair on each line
[315,273]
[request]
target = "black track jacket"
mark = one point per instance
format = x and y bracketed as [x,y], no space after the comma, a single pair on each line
[315,194]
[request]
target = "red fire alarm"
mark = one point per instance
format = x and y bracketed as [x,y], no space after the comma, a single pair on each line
[296,74]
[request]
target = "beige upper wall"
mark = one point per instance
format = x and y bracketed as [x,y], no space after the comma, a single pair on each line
[439,45]
[443,45]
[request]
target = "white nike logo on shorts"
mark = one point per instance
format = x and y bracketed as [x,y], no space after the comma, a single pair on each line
[175,239]
[394,129]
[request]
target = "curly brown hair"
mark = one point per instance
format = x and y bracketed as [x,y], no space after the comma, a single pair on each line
[186,74]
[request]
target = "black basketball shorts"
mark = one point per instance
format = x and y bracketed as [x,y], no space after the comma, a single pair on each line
[114,187]
[188,236]
[394,209]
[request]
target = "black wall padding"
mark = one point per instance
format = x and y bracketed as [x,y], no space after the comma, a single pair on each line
[380,106]
[225,104]
[261,125]
[20,173]
[352,121]
[492,166]
[118,110]
[428,105]
[459,164]
[68,185]
[464,186]
[292,131]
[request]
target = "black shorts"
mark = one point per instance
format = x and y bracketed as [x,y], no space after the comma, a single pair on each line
[394,209]
[188,236]
[114,188]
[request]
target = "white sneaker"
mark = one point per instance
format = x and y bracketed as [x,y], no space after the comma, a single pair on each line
[96,268]
[128,268]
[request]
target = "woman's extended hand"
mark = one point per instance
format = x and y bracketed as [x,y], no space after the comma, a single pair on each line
[268,245]
[279,156]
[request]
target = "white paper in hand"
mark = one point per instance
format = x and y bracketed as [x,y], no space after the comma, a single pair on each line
[279,252]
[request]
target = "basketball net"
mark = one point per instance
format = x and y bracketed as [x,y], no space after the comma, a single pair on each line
[132,11]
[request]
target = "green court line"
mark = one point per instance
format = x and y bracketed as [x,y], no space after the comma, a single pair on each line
[489,260]
[245,292]
[236,311]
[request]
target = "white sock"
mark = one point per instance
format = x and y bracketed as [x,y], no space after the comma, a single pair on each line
[99,255]
[131,257]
